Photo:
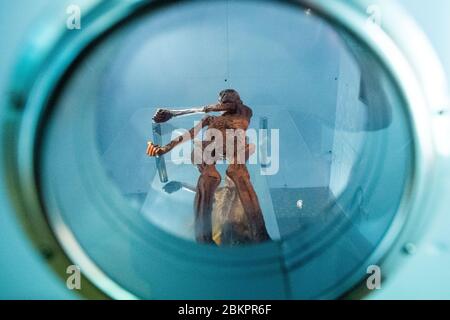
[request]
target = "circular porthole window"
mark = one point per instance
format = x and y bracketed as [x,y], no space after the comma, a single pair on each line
[335,166]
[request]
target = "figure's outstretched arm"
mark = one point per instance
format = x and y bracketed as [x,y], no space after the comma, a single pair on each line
[154,150]
[164,115]
[219,107]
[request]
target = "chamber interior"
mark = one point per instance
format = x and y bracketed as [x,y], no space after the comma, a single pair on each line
[338,170]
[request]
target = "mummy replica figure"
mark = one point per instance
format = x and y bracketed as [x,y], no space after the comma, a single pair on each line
[238,218]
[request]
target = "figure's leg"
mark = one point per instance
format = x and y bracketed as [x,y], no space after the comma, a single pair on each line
[207,184]
[238,173]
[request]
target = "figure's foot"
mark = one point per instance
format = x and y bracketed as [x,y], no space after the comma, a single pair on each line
[260,235]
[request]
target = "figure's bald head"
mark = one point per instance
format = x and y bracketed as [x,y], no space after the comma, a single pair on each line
[229,96]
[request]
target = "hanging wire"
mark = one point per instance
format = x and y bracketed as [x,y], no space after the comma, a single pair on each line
[227,42]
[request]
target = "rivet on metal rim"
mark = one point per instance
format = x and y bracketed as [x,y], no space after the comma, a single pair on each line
[410,248]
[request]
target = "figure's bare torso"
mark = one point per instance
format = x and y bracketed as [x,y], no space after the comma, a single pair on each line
[238,120]
[230,121]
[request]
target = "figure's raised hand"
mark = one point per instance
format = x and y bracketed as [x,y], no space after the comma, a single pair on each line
[153,150]
[162,115]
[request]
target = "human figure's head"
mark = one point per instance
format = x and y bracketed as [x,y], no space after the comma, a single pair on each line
[229,96]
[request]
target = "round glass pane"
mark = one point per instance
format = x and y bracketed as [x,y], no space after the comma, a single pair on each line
[333,149]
